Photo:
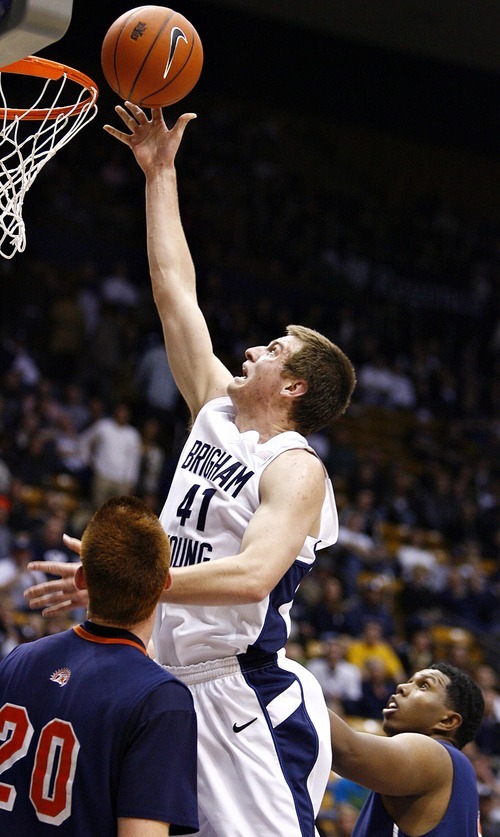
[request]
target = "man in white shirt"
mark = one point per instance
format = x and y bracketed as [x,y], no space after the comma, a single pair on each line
[340,680]
[112,447]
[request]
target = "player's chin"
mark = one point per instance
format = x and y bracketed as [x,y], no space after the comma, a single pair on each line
[237,382]
[389,724]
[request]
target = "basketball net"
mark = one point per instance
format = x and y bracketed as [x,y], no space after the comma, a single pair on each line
[30,136]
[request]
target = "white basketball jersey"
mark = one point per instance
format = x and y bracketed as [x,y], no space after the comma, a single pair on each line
[214,494]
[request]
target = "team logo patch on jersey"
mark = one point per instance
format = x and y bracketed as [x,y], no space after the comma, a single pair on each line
[61,676]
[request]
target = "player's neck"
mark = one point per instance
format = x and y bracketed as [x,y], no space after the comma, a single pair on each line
[266,426]
[142,630]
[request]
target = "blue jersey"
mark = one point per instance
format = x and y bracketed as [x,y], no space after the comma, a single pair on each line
[91,729]
[460,820]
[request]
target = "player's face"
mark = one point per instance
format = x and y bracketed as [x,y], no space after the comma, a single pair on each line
[418,705]
[262,376]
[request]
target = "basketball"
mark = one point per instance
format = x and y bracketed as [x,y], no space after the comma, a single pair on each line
[152,56]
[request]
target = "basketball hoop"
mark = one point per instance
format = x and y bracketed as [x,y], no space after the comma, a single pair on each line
[30,135]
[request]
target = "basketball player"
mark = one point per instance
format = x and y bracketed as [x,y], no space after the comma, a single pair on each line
[97,738]
[250,504]
[420,781]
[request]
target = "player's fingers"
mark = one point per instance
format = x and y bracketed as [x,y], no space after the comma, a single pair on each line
[56,567]
[182,121]
[119,135]
[74,544]
[137,112]
[42,599]
[54,610]
[38,565]
[50,588]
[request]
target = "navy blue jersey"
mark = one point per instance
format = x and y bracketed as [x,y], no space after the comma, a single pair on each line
[460,820]
[92,729]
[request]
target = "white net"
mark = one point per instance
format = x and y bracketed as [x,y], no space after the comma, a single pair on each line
[29,138]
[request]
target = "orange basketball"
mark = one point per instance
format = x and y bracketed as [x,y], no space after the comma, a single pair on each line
[152,56]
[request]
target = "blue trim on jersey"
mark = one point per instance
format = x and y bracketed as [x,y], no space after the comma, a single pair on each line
[295,739]
[274,635]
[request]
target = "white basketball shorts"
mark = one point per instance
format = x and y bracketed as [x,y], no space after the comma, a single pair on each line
[264,752]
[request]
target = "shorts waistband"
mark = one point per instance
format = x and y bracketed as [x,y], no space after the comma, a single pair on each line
[214,669]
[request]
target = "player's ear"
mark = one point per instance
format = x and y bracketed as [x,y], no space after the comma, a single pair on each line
[80,582]
[168,582]
[450,721]
[294,388]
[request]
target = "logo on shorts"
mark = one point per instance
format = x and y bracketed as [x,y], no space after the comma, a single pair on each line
[61,676]
[237,728]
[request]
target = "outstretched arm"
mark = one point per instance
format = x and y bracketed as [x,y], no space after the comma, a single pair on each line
[408,764]
[199,375]
[292,492]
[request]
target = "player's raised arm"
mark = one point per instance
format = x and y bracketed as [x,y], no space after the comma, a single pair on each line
[197,372]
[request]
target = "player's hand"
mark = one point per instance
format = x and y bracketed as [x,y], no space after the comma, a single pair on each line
[152,143]
[60,594]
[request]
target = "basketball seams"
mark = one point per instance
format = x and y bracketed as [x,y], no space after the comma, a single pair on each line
[140,66]
[126,18]
[116,47]
[171,80]
[144,61]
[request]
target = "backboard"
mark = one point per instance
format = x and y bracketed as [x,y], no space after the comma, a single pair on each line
[26,26]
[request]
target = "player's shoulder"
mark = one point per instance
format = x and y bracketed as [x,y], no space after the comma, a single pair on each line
[298,462]
[158,674]
[37,647]
[168,690]
[425,748]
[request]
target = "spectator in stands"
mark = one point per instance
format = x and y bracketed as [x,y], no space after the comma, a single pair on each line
[342,457]
[372,644]
[67,332]
[401,394]
[488,737]
[488,786]
[340,680]
[152,464]
[370,605]
[377,687]
[117,287]
[112,448]
[15,577]
[5,531]
[467,599]
[418,651]
[357,552]
[158,392]
[416,553]
[47,542]
[75,404]
[375,380]
[418,601]
[400,502]
[328,614]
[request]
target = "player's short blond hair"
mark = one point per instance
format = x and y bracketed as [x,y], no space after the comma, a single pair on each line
[330,378]
[125,556]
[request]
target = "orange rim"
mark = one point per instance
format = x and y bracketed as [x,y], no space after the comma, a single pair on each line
[32,65]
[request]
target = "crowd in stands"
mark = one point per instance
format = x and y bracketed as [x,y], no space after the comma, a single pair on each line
[405,286]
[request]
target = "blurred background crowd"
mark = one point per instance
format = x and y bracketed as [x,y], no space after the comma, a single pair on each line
[287,224]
